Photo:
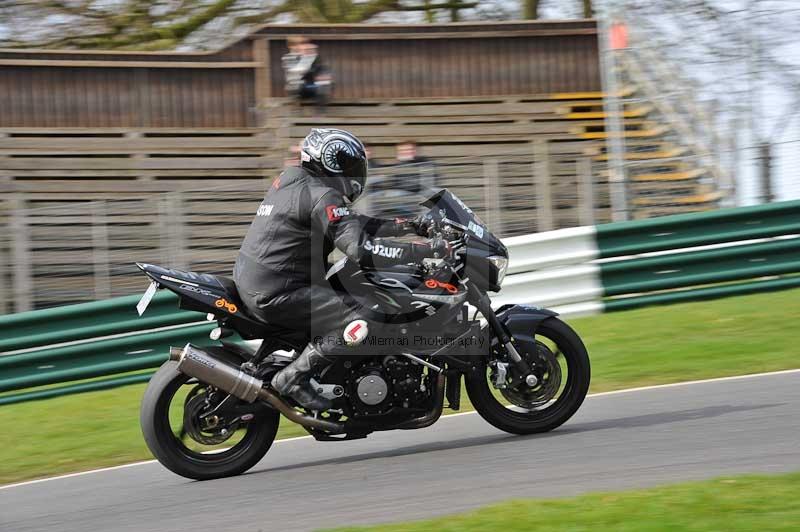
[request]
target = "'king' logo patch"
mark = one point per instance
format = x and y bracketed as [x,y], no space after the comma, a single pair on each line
[336,213]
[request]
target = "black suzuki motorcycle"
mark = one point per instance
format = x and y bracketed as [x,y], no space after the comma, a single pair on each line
[210,412]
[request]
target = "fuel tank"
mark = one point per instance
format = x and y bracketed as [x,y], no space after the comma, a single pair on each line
[401,294]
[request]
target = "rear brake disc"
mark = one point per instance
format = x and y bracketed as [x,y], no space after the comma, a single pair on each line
[206,431]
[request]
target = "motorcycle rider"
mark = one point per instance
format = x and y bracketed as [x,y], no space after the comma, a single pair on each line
[281,266]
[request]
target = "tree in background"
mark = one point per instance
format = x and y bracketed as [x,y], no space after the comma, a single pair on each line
[531,9]
[170,24]
[112,24]
[743,56]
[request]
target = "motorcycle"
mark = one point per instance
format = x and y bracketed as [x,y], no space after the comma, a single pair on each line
[209,411]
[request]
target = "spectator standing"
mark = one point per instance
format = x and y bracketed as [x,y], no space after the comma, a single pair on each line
[307,76]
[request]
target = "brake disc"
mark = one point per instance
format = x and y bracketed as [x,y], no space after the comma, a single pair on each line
[210,430]
[548,371]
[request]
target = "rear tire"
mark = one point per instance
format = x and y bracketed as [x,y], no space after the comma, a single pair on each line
[170,451]
[520,421]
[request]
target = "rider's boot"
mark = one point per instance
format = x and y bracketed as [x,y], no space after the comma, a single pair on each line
[293,380]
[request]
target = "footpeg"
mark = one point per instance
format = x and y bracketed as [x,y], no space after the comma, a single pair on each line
[328,391]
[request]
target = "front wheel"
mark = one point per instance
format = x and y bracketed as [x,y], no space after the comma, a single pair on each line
[184,433]
[559,361]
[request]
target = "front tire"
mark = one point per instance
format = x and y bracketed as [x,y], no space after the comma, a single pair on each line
[256,439]
[546,417]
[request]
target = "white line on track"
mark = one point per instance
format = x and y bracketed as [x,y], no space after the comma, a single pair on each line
[286,440]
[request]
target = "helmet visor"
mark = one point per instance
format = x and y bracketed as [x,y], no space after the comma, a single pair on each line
[354,172]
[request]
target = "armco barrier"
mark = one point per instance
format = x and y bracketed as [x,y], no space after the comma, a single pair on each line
[576,245]
[620,265]
[71,323]
[81,387]
[702,294]
[580,270]
[704,267]
[95,359]
[553,287]
[690,230]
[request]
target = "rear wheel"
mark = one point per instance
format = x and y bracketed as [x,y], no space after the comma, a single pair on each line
[561,365]
[187,441]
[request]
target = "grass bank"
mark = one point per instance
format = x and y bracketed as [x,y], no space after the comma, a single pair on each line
[764,503]
[656,345]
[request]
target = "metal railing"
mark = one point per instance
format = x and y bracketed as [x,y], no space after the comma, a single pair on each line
[677,99]
[725,82]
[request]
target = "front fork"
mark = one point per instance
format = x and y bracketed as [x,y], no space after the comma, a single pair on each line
[522,370]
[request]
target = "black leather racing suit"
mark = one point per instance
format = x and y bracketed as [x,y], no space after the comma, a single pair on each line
[280,270]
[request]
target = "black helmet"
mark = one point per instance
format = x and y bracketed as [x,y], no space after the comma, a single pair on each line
[337,154]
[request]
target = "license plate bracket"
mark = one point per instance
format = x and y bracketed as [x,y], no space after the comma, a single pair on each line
[141,306]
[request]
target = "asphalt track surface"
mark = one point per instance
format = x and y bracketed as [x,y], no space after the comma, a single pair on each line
[620,440]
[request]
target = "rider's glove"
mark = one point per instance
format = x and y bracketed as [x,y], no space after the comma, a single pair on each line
[421,225]
[436,248]
[440,248]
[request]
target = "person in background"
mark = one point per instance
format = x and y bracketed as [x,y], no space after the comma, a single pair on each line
[398,187]
[414,172]
[307,76]
[372,162]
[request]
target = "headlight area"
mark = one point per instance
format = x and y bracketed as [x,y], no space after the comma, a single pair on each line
[501,263]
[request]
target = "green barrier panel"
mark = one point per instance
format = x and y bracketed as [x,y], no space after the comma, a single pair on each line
[701,267]
[81,387]
[96,359]
[136,341]
[89,320]
[700,294]
[697,229]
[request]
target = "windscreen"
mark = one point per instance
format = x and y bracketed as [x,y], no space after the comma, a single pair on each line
[447,206]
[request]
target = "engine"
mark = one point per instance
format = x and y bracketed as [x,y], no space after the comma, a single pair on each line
[380,384]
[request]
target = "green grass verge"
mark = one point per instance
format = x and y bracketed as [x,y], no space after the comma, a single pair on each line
[689,341]
[732,504]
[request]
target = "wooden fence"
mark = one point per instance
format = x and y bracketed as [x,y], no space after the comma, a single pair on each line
[45,89]
[66,89]
[448,59]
